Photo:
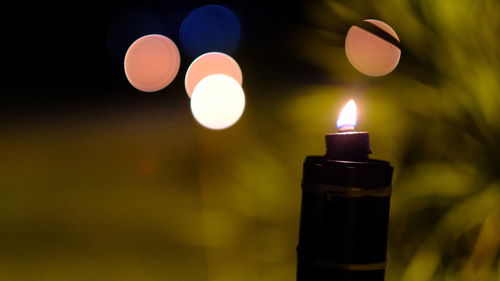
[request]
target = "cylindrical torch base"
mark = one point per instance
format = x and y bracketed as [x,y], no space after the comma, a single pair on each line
[344,220]
[311,273]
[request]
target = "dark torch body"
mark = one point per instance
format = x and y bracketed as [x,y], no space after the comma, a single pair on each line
[344,213]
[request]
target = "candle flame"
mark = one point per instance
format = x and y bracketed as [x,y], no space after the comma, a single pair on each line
[347,117]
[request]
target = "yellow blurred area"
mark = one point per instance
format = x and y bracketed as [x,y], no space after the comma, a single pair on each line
[100,197]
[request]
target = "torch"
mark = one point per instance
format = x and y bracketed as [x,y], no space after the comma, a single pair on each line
[345,209]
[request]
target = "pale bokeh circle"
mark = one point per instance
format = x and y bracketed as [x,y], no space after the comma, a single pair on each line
[217,102]
[370,54]
[152,62]
[208,64]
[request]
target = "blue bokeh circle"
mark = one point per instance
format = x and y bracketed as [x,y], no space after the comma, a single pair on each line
[211,28]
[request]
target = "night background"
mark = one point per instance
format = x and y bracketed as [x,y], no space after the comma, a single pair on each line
[99,181]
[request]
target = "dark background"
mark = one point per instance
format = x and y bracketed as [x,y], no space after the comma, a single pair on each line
[52,47]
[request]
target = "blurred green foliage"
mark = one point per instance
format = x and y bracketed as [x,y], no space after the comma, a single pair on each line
[436,118]
[144,193]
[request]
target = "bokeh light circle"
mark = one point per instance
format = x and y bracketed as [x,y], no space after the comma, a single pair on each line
[370,54]
[152,62]
[217,102]
[212,28]
[208,64]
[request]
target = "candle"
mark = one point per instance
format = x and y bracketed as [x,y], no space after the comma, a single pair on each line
[345,209]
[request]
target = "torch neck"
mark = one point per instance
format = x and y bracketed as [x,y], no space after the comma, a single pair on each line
[348,146]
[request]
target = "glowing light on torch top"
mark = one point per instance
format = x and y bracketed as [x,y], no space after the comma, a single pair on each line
[347,117]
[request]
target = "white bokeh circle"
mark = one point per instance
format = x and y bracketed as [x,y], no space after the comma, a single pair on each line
[218,101]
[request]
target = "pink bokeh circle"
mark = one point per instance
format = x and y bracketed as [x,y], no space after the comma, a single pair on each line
[370,54]
[152,62]
[209,64]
